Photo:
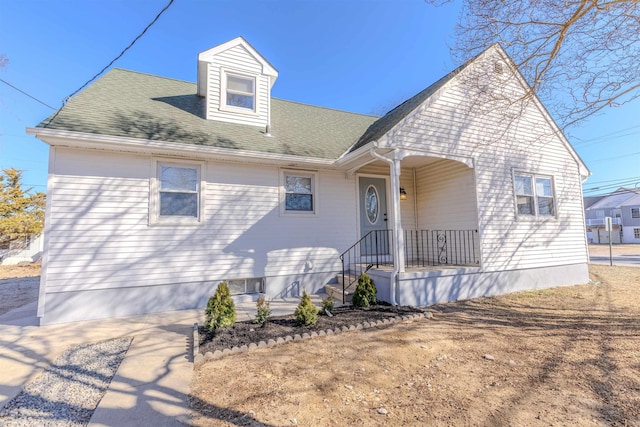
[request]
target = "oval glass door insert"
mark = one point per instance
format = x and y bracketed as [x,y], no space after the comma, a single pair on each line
[371,204]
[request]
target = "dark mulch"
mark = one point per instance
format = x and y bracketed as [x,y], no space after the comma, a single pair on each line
[279,327]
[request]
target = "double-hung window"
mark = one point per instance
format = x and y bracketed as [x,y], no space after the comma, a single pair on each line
[177,197]
[299,190]
[534,195]
[240,92]
[635,212]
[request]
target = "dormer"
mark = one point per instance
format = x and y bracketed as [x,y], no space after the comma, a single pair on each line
[236,82]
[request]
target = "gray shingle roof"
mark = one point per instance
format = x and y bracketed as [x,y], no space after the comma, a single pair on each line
[130,104]
[385,123]
[615,199]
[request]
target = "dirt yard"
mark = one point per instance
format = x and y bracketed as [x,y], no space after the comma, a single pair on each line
[16,271]
[18,285]
[563,356]
[616,250]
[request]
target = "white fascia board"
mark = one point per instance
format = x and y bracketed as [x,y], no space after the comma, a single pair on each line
[355,155]
[62,138]
[402,153]
[582,167]
[267,68]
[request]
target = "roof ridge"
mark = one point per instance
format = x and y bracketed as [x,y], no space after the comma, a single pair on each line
[142,73]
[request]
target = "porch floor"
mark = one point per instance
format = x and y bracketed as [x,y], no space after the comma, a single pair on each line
[421,269]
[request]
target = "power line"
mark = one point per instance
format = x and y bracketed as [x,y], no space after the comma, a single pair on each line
[609,189]
[25,93]
[616,157]
[121,53]
[632,179]
[610,135]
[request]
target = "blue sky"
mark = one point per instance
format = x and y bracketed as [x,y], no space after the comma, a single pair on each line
[360,56]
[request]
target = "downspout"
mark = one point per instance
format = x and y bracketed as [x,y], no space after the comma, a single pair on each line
[398,256]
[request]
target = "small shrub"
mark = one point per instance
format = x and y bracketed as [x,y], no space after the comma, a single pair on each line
[328,303]
[306,313]
[221,311]
[263,312]
[365,293]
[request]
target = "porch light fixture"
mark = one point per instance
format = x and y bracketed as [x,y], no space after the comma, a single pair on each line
[403,194]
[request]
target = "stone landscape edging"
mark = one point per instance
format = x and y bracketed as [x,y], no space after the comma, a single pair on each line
[199,358]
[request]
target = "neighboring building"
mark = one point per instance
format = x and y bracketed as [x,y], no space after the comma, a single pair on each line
[159,189]
[631,219]
[618,205]
[590,200]
[23,250]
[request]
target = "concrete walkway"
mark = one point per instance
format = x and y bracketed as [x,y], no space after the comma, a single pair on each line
[151,386]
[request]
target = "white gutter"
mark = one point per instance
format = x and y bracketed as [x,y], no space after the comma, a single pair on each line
[398,256]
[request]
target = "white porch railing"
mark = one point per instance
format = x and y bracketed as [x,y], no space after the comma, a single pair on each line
[599,222]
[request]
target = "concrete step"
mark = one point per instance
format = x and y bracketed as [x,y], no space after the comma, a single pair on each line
[336,291]
[348,278]
[337,300]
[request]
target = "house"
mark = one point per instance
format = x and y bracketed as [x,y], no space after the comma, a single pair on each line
[23,250]
[623,207]
[159,189]
[630,210]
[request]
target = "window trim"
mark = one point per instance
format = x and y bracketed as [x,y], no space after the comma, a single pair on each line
[637,213]
[314,191]
[224,73]
[154,193]
[536,215]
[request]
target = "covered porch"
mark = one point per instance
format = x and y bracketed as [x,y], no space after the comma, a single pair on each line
[419,220]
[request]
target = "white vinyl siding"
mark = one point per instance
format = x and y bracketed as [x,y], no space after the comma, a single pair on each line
[450,124]
[100,237]
[237,61]
[446,197]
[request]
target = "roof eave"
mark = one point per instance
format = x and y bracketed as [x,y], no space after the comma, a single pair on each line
[56,137]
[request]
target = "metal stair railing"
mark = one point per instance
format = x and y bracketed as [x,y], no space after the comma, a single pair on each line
[373,249]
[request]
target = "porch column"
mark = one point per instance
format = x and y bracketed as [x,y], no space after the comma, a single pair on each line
[396,226]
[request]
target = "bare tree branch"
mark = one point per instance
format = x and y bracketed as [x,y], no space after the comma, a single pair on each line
[578,56]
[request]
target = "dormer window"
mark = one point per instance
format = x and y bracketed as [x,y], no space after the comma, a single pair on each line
[236,82]
[240,92]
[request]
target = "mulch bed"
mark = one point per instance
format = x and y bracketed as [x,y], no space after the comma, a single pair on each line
[244,333]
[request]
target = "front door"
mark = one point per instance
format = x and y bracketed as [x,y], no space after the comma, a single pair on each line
[373,216]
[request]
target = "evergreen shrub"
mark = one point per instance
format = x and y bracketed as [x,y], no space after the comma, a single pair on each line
[263,311]
[306,313]
[221,311]
[365,293]
[328,302]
